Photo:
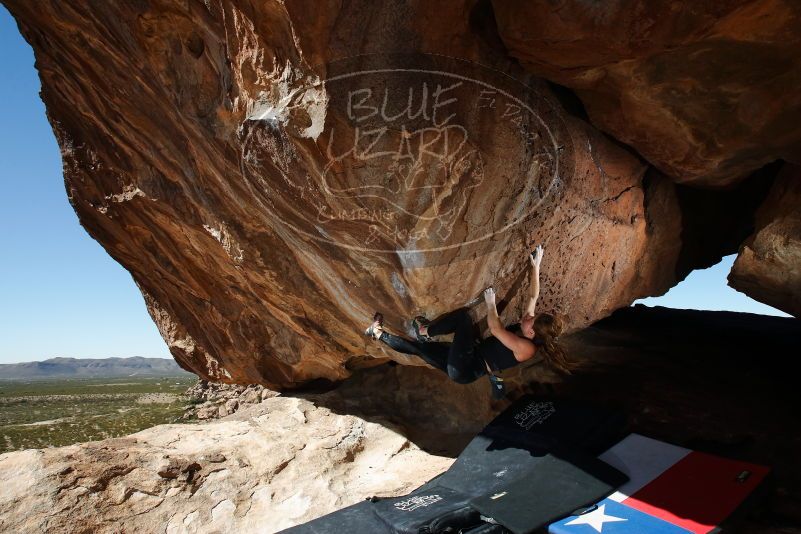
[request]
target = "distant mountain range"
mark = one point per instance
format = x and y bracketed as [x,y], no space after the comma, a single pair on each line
[91,368]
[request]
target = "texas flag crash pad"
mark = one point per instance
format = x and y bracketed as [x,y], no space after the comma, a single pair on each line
[670,490]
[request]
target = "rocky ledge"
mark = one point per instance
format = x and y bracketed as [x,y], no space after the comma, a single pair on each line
[271,466]
[209,400]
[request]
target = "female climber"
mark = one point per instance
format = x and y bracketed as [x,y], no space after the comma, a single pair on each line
[466,359]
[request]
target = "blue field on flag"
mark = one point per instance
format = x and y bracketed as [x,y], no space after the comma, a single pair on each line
[614,518]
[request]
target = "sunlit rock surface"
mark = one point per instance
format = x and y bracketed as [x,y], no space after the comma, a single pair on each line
[262,220]
[273,173]
[768,267]
[274,465]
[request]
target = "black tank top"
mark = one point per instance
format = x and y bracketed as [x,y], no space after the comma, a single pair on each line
[495,353]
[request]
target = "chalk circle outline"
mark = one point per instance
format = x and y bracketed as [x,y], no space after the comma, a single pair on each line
[556,149]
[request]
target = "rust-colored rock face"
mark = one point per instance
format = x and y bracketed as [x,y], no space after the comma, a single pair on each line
[706,91]
[272,173]
[768,267]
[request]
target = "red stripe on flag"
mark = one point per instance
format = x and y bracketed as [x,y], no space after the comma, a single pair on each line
[699,491]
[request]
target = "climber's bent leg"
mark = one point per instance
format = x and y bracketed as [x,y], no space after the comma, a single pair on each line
[435,354]
[450,323]
[464,366]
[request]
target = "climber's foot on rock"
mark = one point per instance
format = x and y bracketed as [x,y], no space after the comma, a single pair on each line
[498,387]
[420,325]
[376,328]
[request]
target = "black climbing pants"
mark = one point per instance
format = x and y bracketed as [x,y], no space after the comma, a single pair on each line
[457,359]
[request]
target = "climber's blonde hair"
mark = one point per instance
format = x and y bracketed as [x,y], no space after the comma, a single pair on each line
[548,327]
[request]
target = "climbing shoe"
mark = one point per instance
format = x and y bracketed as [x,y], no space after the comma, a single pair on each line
[498,387]
[417,322]
[377,327]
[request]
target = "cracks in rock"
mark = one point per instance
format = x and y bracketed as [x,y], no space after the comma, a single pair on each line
[588,219]
[604,176]
[483,23]
[623,192]
[101,482]
[403,446]
[595,211]
[305,413]
[173,441]
[131,491]
[249,500]
[150,509]
[278,469]
[352,440]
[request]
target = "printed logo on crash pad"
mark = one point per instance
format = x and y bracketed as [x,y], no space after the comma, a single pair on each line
[413,503]
[535,413]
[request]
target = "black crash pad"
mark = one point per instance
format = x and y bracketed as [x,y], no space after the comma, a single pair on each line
[559,485]
[417,511]
[548,423]
[515,442]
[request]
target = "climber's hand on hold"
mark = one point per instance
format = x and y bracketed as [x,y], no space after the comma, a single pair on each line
[536,256]
[493,321]
[534,292]
[489,296]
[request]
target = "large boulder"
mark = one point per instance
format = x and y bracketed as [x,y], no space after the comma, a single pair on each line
[768,267]
[705,91]
[271,178]
[262,221]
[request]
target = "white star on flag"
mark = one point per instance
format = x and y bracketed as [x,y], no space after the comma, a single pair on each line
[596,519]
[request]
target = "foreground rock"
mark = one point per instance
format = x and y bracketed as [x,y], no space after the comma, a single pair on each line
[213,400]
[724,383]
[278,463]
[265,215]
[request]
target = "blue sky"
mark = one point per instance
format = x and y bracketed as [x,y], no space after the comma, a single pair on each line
[62,295]
[706,289]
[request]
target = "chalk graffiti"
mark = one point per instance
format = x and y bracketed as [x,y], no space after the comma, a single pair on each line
[400,157]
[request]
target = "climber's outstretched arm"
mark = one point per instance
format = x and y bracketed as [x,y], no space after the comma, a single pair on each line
[493,321]
[522,348]
[535,258]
